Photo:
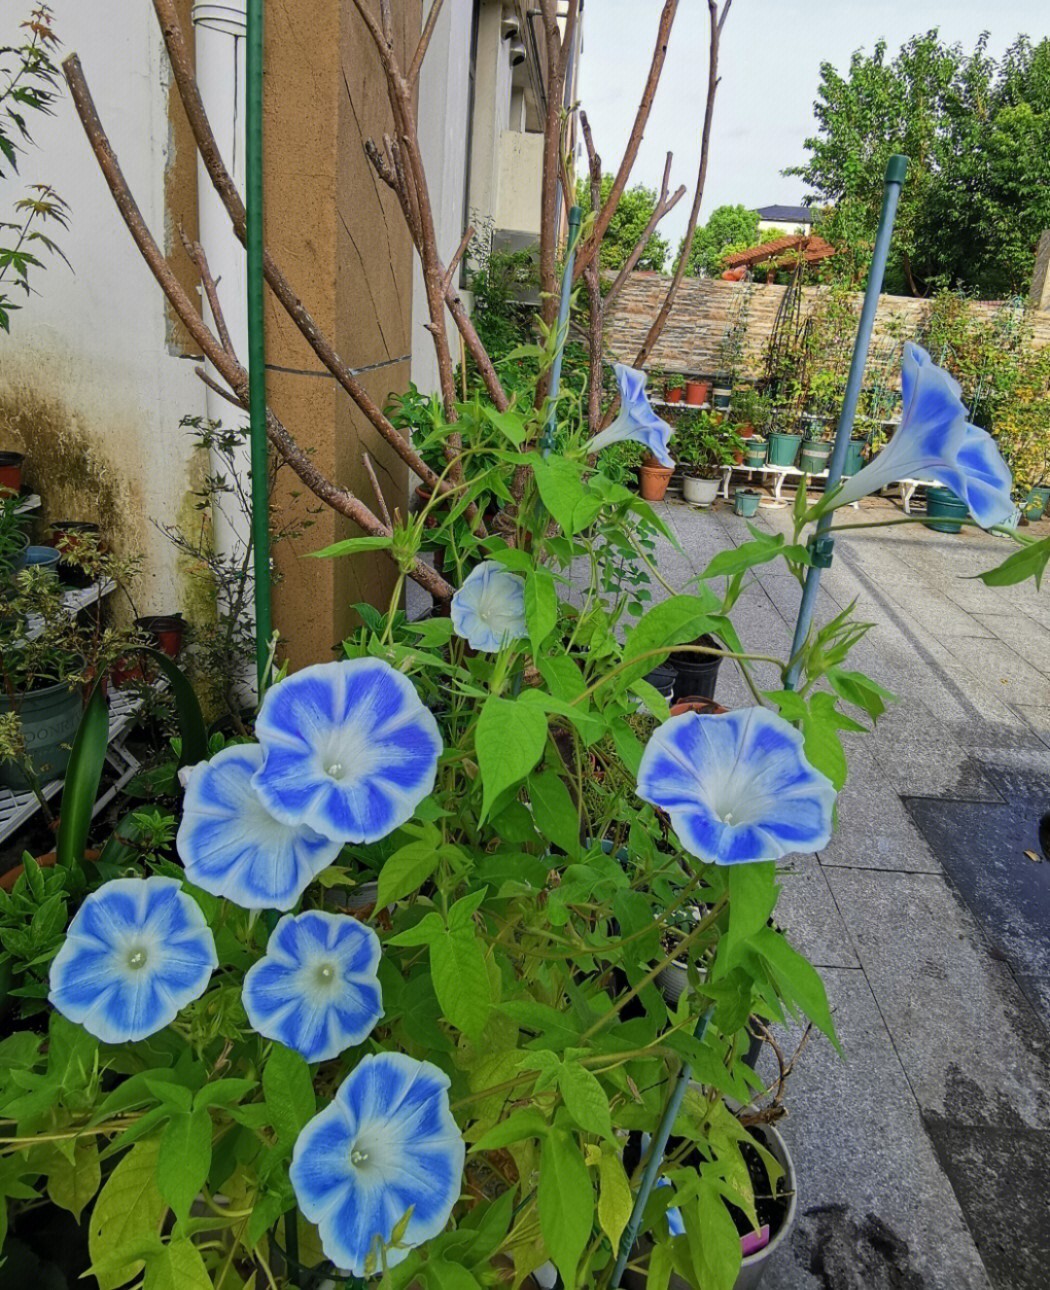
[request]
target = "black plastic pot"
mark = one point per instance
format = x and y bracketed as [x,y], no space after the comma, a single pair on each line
[65,536]
[662,678]
[165,630]
[696,674]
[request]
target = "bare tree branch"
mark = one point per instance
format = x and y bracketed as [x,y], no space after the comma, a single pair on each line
[424,41]
[458,255]
[592,246]
[717,22]
[340,500]
[595,305]
[380,499]
[200,262]
[664,204]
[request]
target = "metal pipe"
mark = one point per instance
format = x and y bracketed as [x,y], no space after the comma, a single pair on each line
[657,1149]
[547,438]
[821,545]
[257,342]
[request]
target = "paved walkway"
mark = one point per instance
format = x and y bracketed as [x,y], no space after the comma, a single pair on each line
[922,1156]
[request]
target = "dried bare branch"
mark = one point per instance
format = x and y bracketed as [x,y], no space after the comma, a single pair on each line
[380,499]
[458,255]
[590,249]
[200,262]
[717,21]
[595,304]
[557,51]
[664,204]
[340,500]
[424,41]
[216,388]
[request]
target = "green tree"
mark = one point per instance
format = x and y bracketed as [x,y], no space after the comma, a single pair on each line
[977,133]
[728,228]
[627,225]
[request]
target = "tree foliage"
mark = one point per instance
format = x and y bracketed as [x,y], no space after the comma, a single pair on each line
[977,133]
[627,226]
[728,228]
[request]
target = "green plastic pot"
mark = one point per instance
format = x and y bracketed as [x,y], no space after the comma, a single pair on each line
[945,510]
[854,462]
[745,502]
[814,457]
[1038,500]
[783,448]
[49,720]
[755,452]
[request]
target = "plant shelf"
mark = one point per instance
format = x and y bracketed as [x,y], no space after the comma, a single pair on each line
[16,808]
[74,600]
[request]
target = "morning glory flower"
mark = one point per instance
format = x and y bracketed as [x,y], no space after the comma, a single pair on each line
[386,1144]
[233,847]
[737,786]
[488,611]
[137,951]
[936,441]
[636,419]
[350,750]
[316,989]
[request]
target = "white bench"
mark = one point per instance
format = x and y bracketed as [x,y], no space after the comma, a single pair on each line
[908,487]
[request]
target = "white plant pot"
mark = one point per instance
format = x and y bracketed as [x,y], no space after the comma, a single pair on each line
[701,492]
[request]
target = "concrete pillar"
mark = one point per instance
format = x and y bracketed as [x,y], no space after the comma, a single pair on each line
[1039,294]
[340,237]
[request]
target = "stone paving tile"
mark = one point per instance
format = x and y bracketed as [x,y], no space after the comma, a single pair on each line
[973,1049]
[1037,719]
[875,831]
[876,1210]
[1002,1183]
[1026,637]
[807,912]
[1015,680]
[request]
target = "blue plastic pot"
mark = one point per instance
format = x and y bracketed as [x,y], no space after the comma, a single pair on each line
[745,502]
[945,509]
[42,557]
[854,462]
[783,448]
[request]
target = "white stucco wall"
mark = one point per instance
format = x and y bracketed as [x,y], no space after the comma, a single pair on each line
[444,93]
[87,379]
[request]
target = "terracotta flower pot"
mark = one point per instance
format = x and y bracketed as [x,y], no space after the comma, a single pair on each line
[653,480]
[696,703]
[697,392]
[47,861]
[11,472]
[166,631]
[672,395]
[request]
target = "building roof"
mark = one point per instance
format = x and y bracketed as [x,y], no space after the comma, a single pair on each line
[811,248]
[787,214]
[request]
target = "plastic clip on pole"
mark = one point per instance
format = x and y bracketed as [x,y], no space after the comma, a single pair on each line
[821,545]
[547,438]
[257,339]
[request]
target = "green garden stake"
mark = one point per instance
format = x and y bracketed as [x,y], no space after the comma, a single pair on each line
[260,456]
[547,438]
[821,543]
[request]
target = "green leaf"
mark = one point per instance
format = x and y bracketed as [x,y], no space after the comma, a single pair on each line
[1029,562]
[526,1122]
[541,606]
[178,1266]
[509,742]
[351,546]
[510,424]
[585,1099]
[679,620]
[289,1093]
[185,1158]
[450,1276]
[752,896]
[860,690]
[750,554]
[461,979]
[797,978]
[127,1214]
[555,813]
[72,1183]
[614,1195]
[560,489]
[566,1202]
[83,775]
[405,872]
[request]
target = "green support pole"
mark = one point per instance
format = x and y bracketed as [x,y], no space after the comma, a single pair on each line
[257,340]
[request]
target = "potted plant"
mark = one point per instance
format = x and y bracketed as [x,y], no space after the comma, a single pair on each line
[783,447]
[697,392]
[11,472]
[755,452]
[653,479]
[673,387]
[705,448]
[745,502]
[813,459]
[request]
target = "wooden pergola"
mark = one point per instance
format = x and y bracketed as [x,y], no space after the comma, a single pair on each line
[781,252]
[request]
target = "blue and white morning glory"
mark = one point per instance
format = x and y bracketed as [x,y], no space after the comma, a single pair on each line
[316,989]
[488,611]
[636,419]
[233,847]
[137,951]
[386,1144]
[350,750]
[737,787]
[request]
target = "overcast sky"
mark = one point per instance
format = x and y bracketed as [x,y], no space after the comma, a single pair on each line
[770,62]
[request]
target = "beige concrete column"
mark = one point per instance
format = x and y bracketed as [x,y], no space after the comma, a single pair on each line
[1039,294]
[340,237]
